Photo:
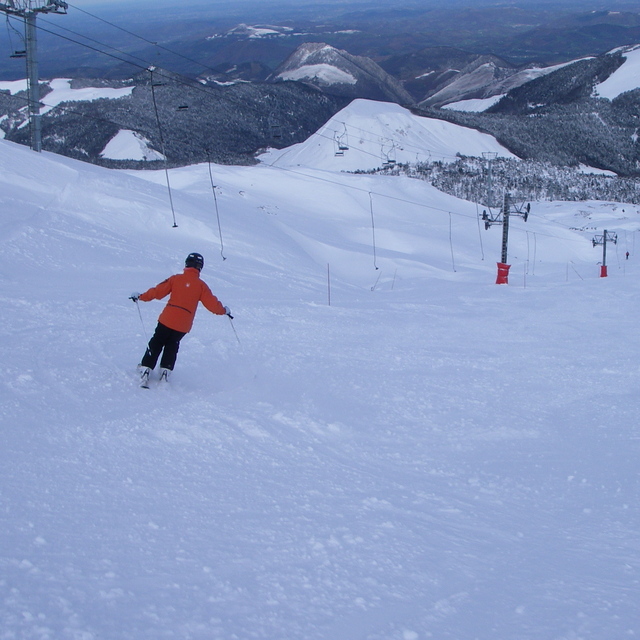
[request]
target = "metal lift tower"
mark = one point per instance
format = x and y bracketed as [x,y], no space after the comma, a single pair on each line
[28,10]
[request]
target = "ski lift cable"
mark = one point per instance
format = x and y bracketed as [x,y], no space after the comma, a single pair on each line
[414,203]
[11,28]
[164,154]
[194,86]
[318,133]
[400,144]
[67,109]
[174,77]
[318,178]
[215,199]
[188,82]
[151,42]
[313,177]
[102,44]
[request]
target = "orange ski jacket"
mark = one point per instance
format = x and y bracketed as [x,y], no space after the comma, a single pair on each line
[186,290]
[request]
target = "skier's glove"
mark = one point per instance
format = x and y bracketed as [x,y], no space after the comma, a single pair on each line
[227,312]
[134,297]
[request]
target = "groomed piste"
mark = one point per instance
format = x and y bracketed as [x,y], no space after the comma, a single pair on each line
[393,448]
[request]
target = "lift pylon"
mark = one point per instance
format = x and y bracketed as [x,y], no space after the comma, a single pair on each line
[27,10]
[603,239]
[508,210]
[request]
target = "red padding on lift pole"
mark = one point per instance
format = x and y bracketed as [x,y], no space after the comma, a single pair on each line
[503,273]
[603,270]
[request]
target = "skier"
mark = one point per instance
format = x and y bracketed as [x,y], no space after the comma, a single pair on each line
[185,290]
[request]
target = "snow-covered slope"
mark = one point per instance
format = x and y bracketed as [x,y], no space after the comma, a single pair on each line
[365,135]
[427,456]
[130,145]
[626,78]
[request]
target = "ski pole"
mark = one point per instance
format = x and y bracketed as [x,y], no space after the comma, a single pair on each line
[233,327]
[144,329]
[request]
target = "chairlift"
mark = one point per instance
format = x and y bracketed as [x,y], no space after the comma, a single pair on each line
[342,140]
[183,107]
[340,145]
[490,219]
[388,157]
[18,54]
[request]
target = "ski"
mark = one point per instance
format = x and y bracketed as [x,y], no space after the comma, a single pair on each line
[145,378]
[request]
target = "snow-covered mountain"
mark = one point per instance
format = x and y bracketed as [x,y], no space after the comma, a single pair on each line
[340,73]
[367,135]
[390,447]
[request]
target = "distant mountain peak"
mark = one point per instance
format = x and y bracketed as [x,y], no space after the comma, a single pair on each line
[340,73]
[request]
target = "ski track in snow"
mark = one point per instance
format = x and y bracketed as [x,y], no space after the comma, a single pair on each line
[431,456]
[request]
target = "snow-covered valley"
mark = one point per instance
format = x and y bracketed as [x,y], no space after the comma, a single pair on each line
[392,448]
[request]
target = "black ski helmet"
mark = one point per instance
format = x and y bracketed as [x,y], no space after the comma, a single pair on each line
[194,260]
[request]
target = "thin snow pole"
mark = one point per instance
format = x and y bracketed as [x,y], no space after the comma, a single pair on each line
[479,232]
[453,260]
[377,280]
[144,329]
[373,230]
[579,276]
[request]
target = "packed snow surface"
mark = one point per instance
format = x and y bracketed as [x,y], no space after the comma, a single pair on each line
[394,453]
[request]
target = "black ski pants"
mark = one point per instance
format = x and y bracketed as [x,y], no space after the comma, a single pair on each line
[165,341]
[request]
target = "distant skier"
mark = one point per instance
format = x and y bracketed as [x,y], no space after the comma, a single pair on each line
[185,290]
[627,254]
